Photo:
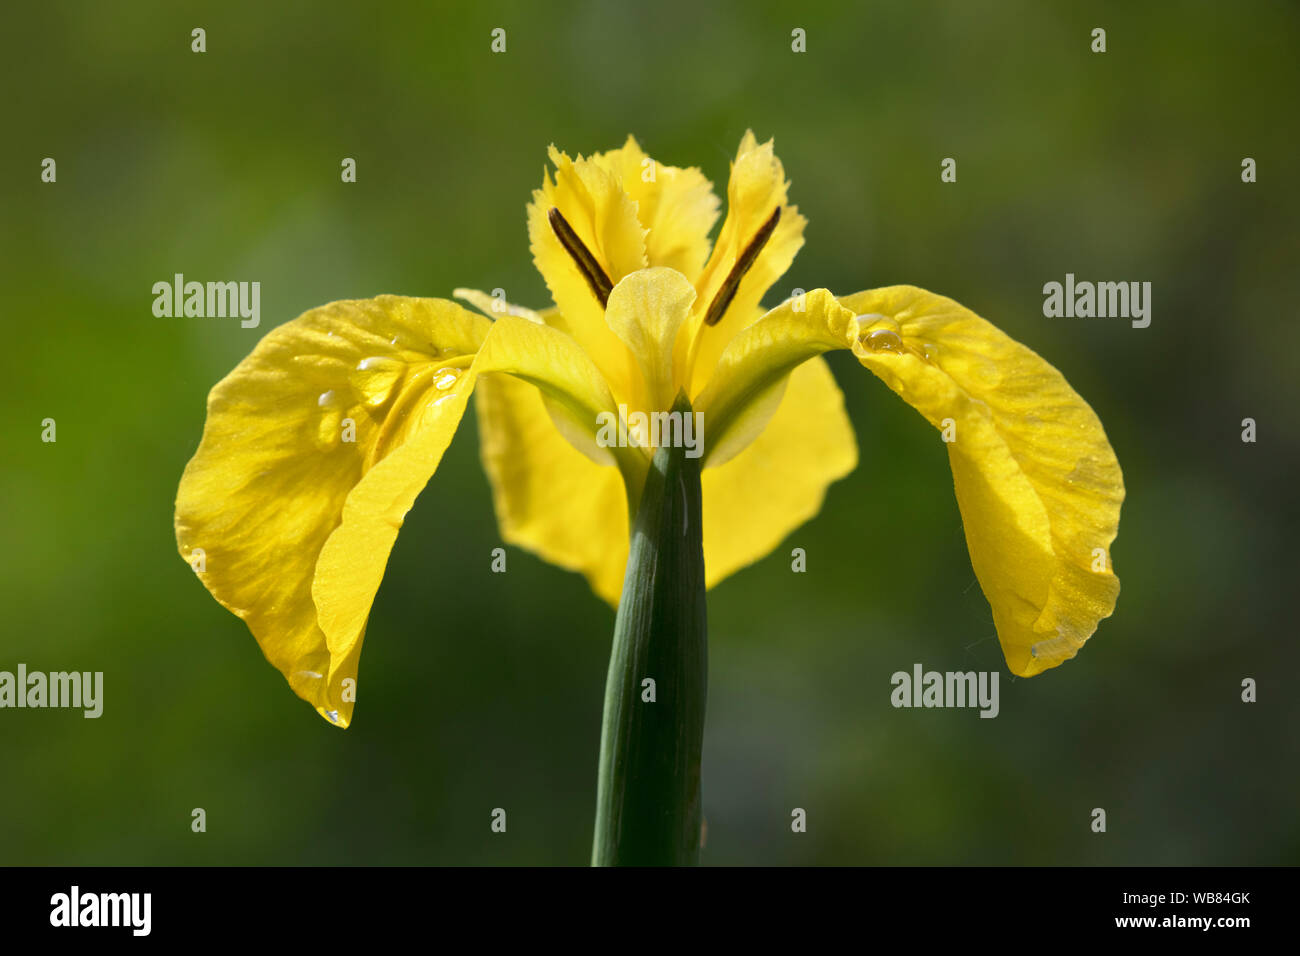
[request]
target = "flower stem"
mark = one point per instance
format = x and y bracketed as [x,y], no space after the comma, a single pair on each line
[648,808]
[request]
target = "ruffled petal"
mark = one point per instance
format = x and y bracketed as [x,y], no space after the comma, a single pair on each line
[757,188]
[592,201]
[676,206]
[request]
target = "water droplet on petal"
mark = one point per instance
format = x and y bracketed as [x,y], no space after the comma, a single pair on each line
[445,378]
[929,352]
[883,340]
[332,715]
[329,424]
[877,333]
[375,378]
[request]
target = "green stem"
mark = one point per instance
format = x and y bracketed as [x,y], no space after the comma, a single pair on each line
[648,807]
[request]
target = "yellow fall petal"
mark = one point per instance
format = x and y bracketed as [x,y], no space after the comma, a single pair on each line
[347,575]
[317,445]
[753,501]
[1037,483]
[549,498]
[554,502]
[330,404]
[352,562]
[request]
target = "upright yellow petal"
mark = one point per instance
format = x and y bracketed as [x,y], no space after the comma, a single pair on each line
[591,199]
[676,206]
[1037,483]
[336,418]
[757,187]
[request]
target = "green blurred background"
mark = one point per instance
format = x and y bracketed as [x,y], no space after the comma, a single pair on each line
[484,690]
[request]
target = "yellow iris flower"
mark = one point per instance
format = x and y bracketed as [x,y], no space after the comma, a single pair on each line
[317,444]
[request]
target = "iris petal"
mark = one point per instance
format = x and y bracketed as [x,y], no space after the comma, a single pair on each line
[550,498]
[593,203]
[316,447]
[755,500]
[1037,482]
[756,189]
[320,436]
[676,206]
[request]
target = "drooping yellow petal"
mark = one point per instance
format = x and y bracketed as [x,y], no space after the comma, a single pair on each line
[645,310]
[593,202]
[677,206]
[317,445]
[757,187]
[551,499]
[1037,483]
[543,360]
[352,562]
[753,501]
[351,395]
